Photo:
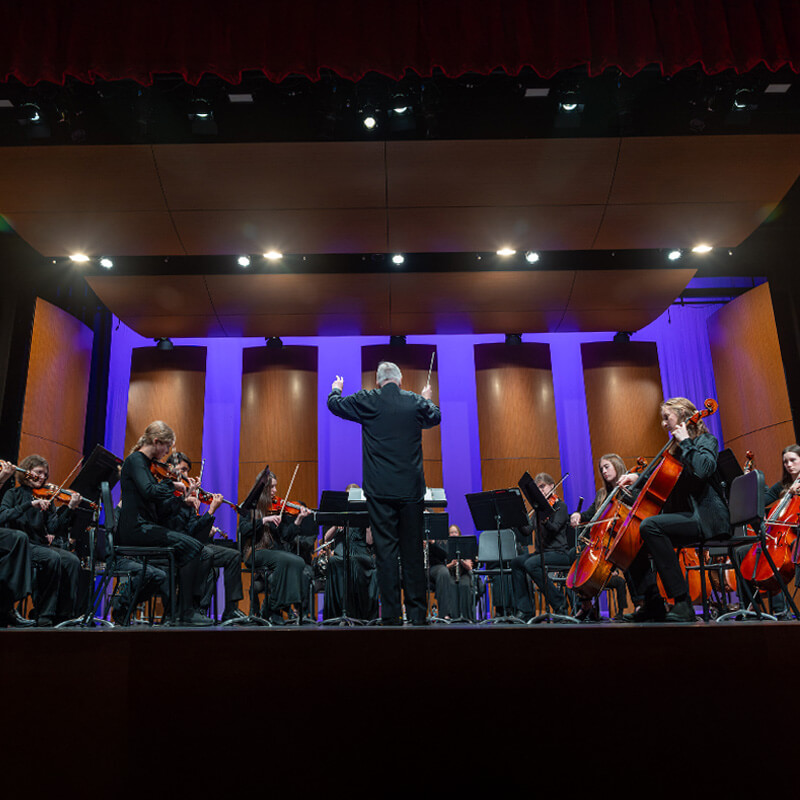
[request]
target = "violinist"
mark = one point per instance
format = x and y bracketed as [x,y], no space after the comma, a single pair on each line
[288,582]
[362,580]
[694,510]
[789,483]
[141,521]
[15,565]
[187,518]
[611,468]
[551,540]
[56,591]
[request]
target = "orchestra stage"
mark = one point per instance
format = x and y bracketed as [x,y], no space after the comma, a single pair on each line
[157,712]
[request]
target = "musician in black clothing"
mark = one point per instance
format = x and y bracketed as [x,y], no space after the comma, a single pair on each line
[15,564]
[455,598]
[141,517]
[392,421]
[185,516]
[288,580]
[551,540]
[56,589]
[694,510]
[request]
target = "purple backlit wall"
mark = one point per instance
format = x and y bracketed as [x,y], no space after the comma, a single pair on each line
[686,369]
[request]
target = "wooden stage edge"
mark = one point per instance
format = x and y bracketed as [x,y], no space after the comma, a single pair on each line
[223,710]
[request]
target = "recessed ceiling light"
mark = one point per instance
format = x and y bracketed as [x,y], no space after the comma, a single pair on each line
[243,261]
[107,263]
[702,248]
[398,258]
[674,255]
[79,258]
[531,257]
[273,255]
[506,251]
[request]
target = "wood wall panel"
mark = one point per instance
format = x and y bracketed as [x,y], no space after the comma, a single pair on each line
[279,419]
[169,385]
[623,395]
[516,413]
[414,361]
[54,415]
[751,388]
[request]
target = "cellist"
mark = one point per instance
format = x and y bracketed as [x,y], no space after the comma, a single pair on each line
[694,510]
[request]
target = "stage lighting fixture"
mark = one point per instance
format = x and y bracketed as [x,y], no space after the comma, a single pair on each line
[370,122]
[106,263]
[513,338]
[674,255]
[79,258]
[623,337]
[243,261]
[273,255]
[274,342]
[397,340]
[398,258]
[30,112]
[200,109]
[163,343]
[702,248]
[531,257]
[506,251]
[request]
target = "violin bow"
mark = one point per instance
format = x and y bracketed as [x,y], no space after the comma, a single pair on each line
[289,490]
[58,491]
[430,368]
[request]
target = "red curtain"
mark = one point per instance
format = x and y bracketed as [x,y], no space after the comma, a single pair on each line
[42,40]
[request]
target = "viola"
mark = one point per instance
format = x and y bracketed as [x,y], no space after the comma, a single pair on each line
[590,572]
[665,470]
[292,509]
[59,496]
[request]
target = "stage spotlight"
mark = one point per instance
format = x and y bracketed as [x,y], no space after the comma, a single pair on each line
[398,258]
[273,255]
[106,263]
[674,255]
[274,342]
[243,261]
[702,248]
[163,343]
[513,338]
[531,257]
[79,258]
[506,251]
[200,109]
[397,341]
[370,122]
[30,112]
[623,337]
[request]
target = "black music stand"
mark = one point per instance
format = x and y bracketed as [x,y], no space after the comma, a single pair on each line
[249,506]
[102,465]
[436,528]
[543,510]
[462,548]
[491,512]
[343,509]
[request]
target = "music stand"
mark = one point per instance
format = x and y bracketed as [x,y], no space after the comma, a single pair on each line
[249,505]
[343,509]
[102,465]
[543,510]
[436,527]
[462,548]
[491,512]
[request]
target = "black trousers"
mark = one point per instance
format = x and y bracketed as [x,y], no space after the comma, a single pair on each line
[660,536]
[362,588]
[455,600]
[214,555]
[397,531]
[15,567]
[55,593]
[288,582]
[527,564]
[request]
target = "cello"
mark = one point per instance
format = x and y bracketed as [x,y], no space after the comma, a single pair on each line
[590,572]
[665,470]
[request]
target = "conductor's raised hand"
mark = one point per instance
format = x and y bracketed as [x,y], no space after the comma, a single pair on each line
[427,392]
[338,383]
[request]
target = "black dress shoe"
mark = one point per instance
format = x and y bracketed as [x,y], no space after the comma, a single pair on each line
[194,619]
[232,614]
[391,622]
[44,622]
[652,610]
[13,619]
[682,612]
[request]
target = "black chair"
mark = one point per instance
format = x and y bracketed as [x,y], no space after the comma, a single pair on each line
[498,547]
[746,506]
[144,555]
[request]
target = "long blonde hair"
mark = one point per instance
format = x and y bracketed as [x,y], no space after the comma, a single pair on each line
[157,431]
[684,409]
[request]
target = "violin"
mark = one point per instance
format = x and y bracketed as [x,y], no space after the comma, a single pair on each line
[665,470]
[290,508]
[60,496]
[164,471]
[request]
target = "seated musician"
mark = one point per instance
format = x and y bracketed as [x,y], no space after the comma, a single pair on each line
[611,468]
[56,587]
[15,564]
[455,598]
[551,542]
[789,483]
[288,582]
[141,521]
[187,517]
[694,510]
[362,595]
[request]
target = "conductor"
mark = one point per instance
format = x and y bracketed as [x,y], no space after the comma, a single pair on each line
[392,421]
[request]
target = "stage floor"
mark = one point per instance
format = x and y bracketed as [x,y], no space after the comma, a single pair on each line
[305,708]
